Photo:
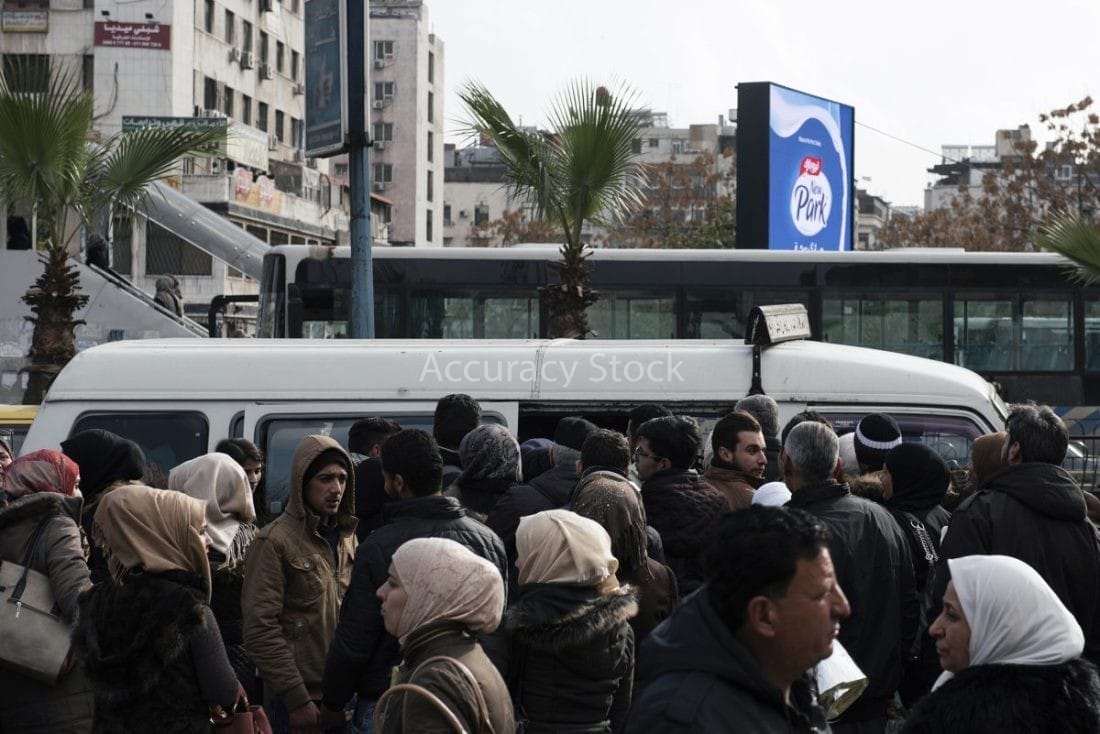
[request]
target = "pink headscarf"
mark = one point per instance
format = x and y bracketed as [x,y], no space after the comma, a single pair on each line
[40,471]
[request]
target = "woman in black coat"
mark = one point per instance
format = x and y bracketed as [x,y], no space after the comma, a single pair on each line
[1011,653]
[571,659]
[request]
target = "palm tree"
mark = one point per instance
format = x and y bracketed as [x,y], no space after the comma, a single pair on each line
[52,162]
[585,170]
[1076,239]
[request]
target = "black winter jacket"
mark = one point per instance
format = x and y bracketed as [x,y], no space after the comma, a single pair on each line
[548,491]
[569,658]
[695,676]
[1038,699]
[875,569]
[139,642]
[1036,512]
[362,652]
[480,496]
[684,509]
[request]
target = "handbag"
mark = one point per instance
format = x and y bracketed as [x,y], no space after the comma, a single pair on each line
[245,718]
[34,639]
[485,725]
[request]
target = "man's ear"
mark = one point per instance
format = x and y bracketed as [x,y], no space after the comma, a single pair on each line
[786,468]
[760,616]
[838,470]
[724,454]
[1014,452]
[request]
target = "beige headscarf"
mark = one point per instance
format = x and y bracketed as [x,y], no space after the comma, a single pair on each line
[561,547]
[445,581]
[221,483]
[154,530]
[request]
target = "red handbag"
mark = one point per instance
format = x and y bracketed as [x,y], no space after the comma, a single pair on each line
[245,718]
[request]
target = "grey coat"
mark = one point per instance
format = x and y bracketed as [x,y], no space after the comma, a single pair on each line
[27,705]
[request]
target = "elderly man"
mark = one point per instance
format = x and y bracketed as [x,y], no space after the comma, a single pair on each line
[734,656]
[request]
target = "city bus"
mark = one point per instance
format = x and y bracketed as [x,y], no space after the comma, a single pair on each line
[1014,318]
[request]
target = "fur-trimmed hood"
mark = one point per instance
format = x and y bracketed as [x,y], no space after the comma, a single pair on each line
[1033,698]
[554,618]
[38,505]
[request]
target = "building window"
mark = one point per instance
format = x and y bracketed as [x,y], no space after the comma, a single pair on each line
[383,50]
[481,214]
[246,109]
[295,132]
[431,146]
[383,131]
[447,215]
[246,36]
[27,72]
[654,142]
[294,59]
[383,172]
[431,106]
[263,47]
[230,27]
[428,225]
[431,67]
[431,186]
[261,116]
[208,17]
[280,50]
[280,123]
[228,102]
[88,73]
[677,146]
[209,93]
[383,91]
[636,145]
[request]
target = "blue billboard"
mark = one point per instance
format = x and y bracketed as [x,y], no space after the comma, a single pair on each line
[794,174]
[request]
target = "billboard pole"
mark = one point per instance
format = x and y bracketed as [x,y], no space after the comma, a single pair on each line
[362,272]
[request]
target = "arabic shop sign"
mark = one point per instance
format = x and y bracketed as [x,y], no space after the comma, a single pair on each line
[133,35]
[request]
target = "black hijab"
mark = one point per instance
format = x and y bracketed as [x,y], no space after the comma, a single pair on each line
[920,477]
[103,457]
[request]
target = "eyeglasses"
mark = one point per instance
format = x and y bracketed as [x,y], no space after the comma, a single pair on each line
[639,454]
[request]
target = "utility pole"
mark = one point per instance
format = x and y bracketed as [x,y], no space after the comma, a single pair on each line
[362,271]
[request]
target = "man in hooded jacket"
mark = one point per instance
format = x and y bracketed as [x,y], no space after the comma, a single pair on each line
[296,573]
[1031,509]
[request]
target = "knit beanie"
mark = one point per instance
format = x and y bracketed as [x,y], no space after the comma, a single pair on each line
[572,431]
[918,474]
[876,434]
[764,409]
[326,457]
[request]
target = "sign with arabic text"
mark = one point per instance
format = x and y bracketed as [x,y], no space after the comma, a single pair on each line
[133,35]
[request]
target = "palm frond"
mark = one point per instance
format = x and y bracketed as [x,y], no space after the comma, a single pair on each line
[131,160]
[1075,239]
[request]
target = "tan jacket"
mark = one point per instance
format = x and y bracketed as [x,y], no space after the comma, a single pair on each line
[292,592]
[737,486]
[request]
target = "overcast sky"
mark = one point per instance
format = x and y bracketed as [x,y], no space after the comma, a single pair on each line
[932,73]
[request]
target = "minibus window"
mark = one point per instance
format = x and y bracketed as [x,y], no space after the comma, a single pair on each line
[166,439]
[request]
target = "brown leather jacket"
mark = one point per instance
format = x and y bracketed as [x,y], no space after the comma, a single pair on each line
[737,486]
[292,589]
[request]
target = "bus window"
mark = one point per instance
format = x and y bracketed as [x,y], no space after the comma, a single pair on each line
[271,321]
[438,316]
[1046,334]
[1092,334]
[1034,334]
[633,316]
[898,323]
[719,313]
[950,436]
[166,439]
[510,318]
[984,337]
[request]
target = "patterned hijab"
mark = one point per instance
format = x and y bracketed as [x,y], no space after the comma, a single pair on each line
[219,482]
[40,471]
[488,452]
[445,581]
[561,547]
[152,530]
[613,502]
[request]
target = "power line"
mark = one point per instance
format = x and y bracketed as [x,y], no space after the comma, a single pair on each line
[906,142]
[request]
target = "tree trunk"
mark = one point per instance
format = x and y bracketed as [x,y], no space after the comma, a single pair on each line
[568,301]
[54,299]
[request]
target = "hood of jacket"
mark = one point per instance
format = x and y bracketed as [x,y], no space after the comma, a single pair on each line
[38,505]
[1044,488]
[683,508]
[551,617]
[557,483]
[607,475]
[309,449]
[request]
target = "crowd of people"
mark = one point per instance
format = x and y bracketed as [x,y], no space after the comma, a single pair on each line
[589,581]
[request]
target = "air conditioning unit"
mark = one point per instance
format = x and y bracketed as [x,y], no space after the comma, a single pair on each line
[462,214]
[267,71]
[272,142]
[298,89]
[247,60]
[378,104]
[299,156]
[379,63]
[379,144]
[379,186]
[212,113]
[234,54]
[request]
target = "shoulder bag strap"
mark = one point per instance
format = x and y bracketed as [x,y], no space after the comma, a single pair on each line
[485,723]
[21,585]
[409,688]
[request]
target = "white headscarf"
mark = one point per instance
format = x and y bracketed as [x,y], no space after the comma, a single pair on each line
[772,494]
[221,483]
[561,547]
[1014,616]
